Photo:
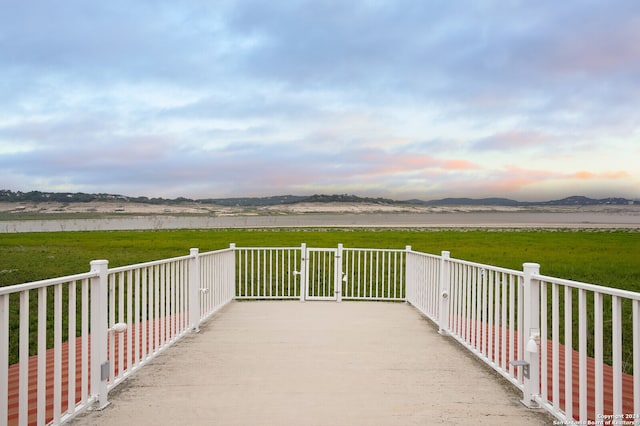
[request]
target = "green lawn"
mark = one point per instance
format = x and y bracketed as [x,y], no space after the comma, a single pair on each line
[602,257]
[597,257]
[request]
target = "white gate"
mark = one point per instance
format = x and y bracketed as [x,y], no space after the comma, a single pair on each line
[322,272]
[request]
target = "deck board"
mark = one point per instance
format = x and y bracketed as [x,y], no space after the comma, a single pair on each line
[315,363]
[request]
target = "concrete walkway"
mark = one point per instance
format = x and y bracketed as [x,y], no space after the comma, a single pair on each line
[315,363]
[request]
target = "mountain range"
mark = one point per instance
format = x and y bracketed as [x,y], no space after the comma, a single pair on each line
[78,197]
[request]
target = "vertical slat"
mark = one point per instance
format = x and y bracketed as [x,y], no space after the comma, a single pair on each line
[555,348]
[544,342]
[512,323]
[4,356]
[137,320]
[163,304]
[42,356]
[370,267]
[465,302]
[248,265]
[616,330]
[403,278]
[474,303]
[582,337]
[241,267]
[359,269]
[172,287]
[121,287]
[485,311]
[290,267]
[568,352]
[255,268]
[279,267]
[57,352]
[636,359]
[264,272]
[503,322]
[255,272]
[110,323]
[84,317]
[598,334]
[130,321]
[455,298]
[144,318]
[520,332]
[386,273]
[480,319]
[179,284]
[328,275]
[497,341]
[71,342]
[271,273]
[246,269]
[156,308]
[395,276]
[205,278]
[467,325]
[23,380]
[490,302]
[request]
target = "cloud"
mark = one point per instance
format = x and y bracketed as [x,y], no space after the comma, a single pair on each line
[511,140]
[399,97]
[586,175]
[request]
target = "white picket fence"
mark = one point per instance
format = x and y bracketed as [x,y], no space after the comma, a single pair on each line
[553,339]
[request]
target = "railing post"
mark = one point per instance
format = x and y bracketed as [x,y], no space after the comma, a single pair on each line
[338,279]
[303,271]
[408,277]
[233,278]
[99,333]
[529,335]
[194,290]
[443,287]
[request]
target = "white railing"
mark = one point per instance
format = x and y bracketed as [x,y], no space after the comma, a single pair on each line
[147,311]
[106,324]
[29,305]
[589,334]
[217,284]
[423,283]
[572,348]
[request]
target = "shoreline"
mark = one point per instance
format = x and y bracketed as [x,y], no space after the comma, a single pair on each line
[108,216]
[435,220]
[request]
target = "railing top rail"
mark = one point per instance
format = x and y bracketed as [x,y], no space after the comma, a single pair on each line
[268,248]
[591,287]
[147,264]
[225,250]
[420,253]
[45,283]
[374,249]
[487,267]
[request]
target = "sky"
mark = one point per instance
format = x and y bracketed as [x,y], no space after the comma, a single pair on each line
[530,100]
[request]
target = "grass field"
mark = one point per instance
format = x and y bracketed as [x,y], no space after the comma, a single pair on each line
[610,258]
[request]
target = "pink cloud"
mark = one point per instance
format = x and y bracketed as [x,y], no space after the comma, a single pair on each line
[459,165]
[389,163]
[584,175]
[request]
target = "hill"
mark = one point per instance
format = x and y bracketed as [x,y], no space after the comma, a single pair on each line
[79,197]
